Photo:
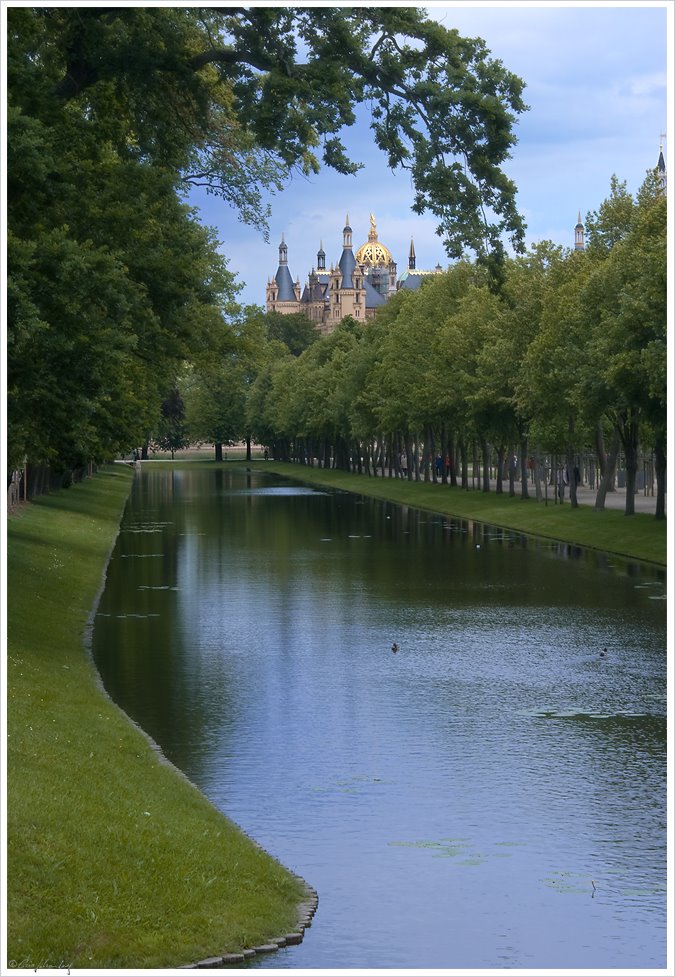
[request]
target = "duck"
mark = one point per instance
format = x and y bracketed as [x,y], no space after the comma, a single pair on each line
[394,647]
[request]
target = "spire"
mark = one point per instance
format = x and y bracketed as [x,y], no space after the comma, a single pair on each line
[411,256]
[283,252]
[661,165]
[347,234]
[579,244]
[347,262]
[283,276]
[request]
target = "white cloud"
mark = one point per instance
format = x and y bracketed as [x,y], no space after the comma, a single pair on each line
[650,86]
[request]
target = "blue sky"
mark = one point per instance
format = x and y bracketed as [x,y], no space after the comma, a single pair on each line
[596,83]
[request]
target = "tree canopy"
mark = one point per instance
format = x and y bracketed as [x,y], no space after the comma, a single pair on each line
[115,112]
[237,97]
[571,344]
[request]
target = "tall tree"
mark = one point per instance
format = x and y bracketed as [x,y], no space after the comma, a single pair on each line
[626,301]
[115,111]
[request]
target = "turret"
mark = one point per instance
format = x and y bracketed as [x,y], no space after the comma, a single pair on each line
[411,256]
[347,261]
[661,168]
[283,277]
[579,244]
[347,234]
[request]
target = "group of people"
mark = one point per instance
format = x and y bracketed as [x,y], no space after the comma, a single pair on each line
[442,465]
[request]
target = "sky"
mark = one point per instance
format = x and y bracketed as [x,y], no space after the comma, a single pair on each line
[596,80]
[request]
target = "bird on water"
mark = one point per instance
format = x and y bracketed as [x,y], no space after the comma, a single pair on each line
[394,647]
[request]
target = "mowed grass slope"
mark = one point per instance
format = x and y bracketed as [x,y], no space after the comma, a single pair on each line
[114,859]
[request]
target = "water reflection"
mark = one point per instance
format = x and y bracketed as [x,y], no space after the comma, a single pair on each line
[452,803]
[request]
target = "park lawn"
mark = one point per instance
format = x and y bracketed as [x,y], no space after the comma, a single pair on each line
[639,537]
[113,858]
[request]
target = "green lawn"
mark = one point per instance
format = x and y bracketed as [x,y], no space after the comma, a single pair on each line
[114,859]
[640,537]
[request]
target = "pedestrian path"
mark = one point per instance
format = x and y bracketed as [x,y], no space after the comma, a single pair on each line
[613,500]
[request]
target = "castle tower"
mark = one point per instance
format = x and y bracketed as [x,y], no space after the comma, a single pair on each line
[283,276]
[661,168]
[347,262]
[579,243]
[346,234]
[377,263]
[321,259]
[283,294]
[411,256]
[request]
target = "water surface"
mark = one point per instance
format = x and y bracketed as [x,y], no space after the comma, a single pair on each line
[492,795]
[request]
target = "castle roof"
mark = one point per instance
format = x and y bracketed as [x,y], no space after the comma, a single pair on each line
[347,264]
[315,290]
[284,282]
[373,297]
[413,279]
[373,252]
[283,276]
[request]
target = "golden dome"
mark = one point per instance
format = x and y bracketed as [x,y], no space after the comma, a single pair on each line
[373,252]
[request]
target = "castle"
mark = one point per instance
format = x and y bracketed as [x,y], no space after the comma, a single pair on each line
[356,286]
[360,283]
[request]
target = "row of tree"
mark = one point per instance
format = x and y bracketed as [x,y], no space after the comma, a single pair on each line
[114,113]
[566,356]
[123,325]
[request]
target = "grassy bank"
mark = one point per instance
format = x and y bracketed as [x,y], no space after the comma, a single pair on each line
[114,860]
[640,537]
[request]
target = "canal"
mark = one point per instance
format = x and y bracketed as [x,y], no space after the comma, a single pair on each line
[492,794]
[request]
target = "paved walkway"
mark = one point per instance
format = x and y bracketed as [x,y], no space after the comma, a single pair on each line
[613,500]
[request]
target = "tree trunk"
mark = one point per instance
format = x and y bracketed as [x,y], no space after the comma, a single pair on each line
[501,452]
[608,474]
[248,447]
[629,432]
[537,475]
[512,471]
[218,449]
[453,450]
[411,458]
[571,480]
[429,455]
[524,448]
[486,464]
[606,462]
[660,468]
[461,444]
[444,449]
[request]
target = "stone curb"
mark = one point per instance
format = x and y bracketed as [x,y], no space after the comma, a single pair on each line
[306,911]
